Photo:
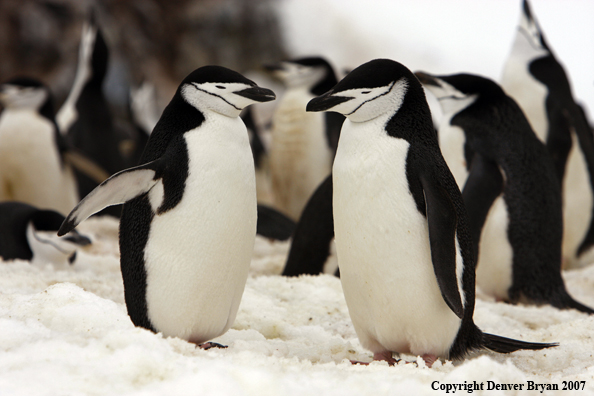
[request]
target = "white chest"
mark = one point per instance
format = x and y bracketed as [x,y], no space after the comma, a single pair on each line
[383,249]
[198,254]
[528,92]
[299,157]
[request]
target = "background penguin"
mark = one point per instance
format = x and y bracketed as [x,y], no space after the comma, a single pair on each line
[405,254]
[85,118]
[29,233]
[512,194]
[188,226]
[144,114]
[32,151]
[303,145]
[537,81]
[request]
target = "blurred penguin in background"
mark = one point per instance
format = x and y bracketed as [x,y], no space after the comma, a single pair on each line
[303,144]
[537,81]
[33,166]
[85,118]
[29,233]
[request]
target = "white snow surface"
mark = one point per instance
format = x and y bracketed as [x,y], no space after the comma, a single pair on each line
[66,332]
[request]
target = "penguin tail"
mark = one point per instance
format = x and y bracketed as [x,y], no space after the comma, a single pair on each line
[565,301]
[500,344]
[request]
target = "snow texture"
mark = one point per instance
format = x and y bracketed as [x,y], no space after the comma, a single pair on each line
[66,332]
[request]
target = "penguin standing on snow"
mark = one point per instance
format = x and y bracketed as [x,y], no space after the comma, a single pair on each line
[33,168]
[511,191]
[85,118]
[404,251]
[537,81]
[188,225]
[303,145]
[29,233]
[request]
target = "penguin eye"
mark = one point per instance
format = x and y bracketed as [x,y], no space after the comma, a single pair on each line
[220,87]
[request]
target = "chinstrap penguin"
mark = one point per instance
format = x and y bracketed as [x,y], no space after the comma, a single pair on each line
[188,225]
[404,251]
[29,233]
[535,78]
[33,168]
[303,145]
[510,190]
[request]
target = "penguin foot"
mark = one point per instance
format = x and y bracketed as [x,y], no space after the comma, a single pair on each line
[207,345]
[385,356]
[429,359]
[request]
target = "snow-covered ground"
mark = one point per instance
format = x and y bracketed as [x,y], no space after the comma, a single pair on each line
[67,333]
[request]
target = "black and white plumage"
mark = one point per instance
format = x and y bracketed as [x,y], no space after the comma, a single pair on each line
[303,144]
[33,168]
[188,225]
[510,190]
[29,233]
[404,250]
[535,78]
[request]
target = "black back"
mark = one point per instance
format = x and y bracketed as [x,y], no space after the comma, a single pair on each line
[499,133]
[137,214]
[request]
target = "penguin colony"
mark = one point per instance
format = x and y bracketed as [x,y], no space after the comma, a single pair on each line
[485,200]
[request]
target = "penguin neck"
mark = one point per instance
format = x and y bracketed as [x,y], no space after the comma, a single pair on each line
[177,118]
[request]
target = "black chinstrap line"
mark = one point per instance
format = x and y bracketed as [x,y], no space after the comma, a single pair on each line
[218,96]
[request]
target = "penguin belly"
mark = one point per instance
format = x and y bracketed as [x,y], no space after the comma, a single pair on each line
[451,143]
[299,157]
[31,170]
[577,205]
[383,249]
[495,260]
[198,253]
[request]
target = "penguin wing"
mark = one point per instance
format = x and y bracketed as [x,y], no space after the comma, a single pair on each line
[483,185]
[119,188]
[442,220]
[313,234]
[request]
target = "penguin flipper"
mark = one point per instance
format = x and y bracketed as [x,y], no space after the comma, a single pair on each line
[314,232]
[500,344]
[483,185]
[273,224]
[442,220]
[119,188]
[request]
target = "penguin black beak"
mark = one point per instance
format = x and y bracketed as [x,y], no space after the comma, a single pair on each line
[326,102]
[427,79]
[77,239]
[257,94]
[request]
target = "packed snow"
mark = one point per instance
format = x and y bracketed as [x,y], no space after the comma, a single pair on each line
[66,332]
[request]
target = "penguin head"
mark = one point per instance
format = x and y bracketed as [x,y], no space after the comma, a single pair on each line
[44,243]
[451,98]
[221,90]
[312,73]
[369,91]
[530,37]
[24,93]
